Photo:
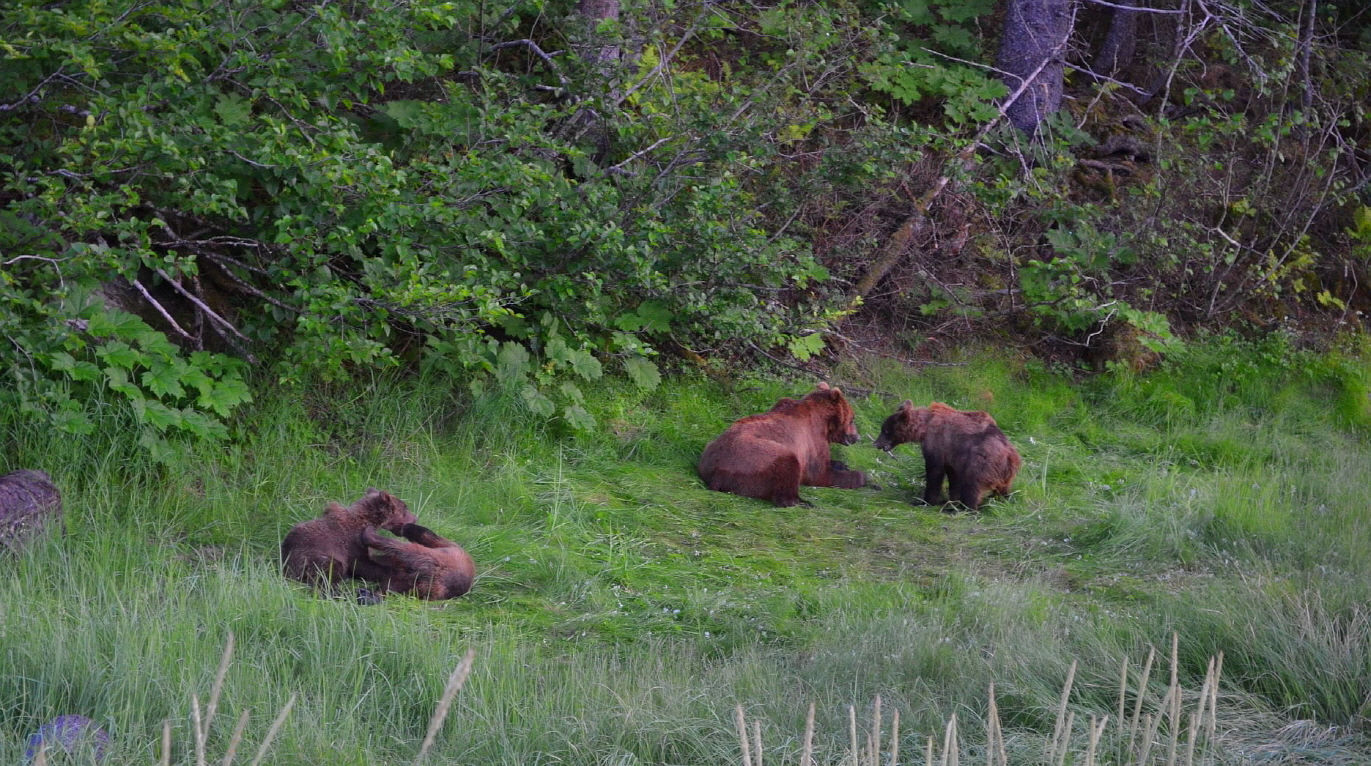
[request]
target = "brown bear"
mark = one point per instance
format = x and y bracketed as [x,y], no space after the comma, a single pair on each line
[329,549]
[427,566]
[29,502]
[768,456]
[966,447]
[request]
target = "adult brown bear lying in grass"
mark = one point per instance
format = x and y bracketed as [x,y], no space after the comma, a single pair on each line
[329,549]
[966,447]
[768,456]
[423,564]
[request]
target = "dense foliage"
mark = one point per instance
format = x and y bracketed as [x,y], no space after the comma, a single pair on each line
[191,189]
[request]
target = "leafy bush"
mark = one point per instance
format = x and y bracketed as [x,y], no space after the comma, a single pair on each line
[318,190]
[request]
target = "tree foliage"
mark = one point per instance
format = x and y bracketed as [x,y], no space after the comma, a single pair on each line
[194,190]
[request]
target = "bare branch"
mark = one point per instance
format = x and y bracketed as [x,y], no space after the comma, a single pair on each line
[616,168]
[147,296]
[1173,11]
[209,312]
[537,51]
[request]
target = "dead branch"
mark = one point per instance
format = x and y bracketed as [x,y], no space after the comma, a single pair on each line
[918,221]
[218,323]
[147,296]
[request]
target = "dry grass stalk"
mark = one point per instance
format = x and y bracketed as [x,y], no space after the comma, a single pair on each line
[1096,731]
[1204,688]
[237,737]
[454,684]
[1214,698]
[41,757]
[741,720]
[166,742]
[1062,729]
[1146,746]
[1123,695]
[271,732]
[895,738]
[928,751]
[951,751]
[199,730]
[1153,724]
[1174,712]
[1138,697]
[217,687]
[874,745]
[757,740]
[1190,743]
[1063,745]
[852,733]
[995,734]
[807,756]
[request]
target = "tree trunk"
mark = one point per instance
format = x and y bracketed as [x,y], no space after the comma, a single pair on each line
[1035,33]
[602,57]
[591,49]
[1117,51]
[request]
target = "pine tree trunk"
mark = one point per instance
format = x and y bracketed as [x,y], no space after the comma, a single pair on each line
[1035,32]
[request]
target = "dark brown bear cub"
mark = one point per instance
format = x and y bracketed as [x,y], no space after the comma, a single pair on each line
[967,448]
[768,456]
[427,566]
[329,549]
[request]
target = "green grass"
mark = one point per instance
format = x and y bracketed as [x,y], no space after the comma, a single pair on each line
[622,611]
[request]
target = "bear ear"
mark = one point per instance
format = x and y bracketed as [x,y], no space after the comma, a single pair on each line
[823,385]
[907,406]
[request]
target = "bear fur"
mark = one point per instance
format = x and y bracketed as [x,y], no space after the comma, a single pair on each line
[424,564]
[29,502]
[966,447]
[329,549]
[768,456]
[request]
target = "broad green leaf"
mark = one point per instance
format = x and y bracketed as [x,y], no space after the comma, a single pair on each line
[643,372]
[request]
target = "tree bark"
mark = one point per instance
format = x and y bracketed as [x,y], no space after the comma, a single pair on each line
[592,50]
[1034,40]
[1119,44]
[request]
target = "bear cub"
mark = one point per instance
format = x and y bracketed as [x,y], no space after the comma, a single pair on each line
[329,549]
[423,564]
[966,448]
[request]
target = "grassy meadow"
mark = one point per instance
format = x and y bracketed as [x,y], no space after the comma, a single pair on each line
[625,615]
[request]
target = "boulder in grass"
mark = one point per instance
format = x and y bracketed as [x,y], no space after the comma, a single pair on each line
[29,504]
[74,734]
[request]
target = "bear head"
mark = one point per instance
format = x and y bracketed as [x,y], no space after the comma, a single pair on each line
[908,424]
[384,510]
[842,422]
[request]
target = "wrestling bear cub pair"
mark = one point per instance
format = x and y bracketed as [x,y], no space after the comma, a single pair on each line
[769,456]
[343,545]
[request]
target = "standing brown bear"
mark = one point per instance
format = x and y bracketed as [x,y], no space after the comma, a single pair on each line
[427,566]
[768,456]
[329,549]
[966,447]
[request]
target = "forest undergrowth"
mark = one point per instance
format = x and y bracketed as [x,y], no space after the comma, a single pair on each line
[623,614]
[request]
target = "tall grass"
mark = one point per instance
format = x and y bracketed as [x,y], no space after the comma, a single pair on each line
[623,613]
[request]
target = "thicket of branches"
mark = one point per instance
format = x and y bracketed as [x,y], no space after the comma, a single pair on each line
[522,194]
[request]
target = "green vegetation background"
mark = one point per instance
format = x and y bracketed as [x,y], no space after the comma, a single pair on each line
[622,610]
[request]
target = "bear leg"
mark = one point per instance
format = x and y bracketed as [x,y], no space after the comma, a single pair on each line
[784,478]
[934,475]
[845,478]
[968,493]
